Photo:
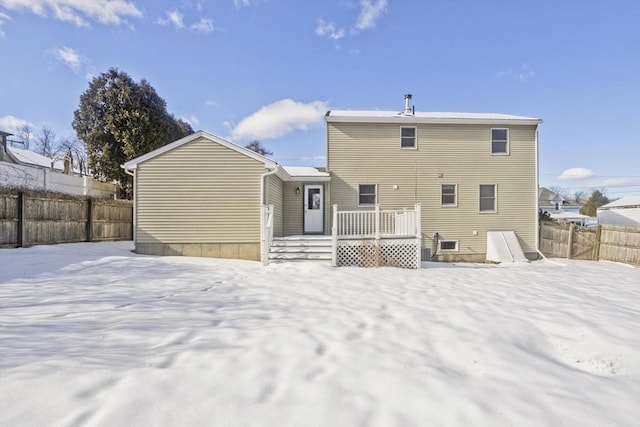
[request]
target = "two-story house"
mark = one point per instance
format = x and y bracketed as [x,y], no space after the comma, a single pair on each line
[445,180]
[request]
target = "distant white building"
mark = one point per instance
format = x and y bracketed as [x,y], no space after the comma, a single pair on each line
[554,203]
[624,211]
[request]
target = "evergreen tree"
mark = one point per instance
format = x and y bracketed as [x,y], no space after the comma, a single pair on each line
[118,120]
[591,206]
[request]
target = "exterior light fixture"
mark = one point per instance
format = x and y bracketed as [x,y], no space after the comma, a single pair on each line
[297,190]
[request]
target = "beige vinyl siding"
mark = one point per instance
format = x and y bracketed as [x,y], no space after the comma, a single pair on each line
[275,197]
[293,208]
[365,153]
[201,192]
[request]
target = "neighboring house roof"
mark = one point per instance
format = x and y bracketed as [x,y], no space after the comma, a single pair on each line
[374,116]
[624,202]
[133,164]
[547,197]
[568,216]
[27,157]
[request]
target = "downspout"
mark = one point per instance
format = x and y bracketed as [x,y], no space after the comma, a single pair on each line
[135,203]
[536,195]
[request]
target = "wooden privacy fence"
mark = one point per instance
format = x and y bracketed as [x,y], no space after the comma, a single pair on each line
[604,242]
[27,219]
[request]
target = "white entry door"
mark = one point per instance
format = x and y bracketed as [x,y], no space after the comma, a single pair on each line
[313,209]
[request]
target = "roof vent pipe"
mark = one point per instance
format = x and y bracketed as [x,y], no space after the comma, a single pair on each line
[407,104]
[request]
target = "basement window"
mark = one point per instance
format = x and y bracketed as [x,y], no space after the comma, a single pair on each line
[408,137]
[448,246]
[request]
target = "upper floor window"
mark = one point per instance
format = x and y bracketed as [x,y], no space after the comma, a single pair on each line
[366,194]
[408,137]
[488,198]
[448,195]
[499,141]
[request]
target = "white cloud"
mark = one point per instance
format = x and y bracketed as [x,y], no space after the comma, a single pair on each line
[314,158]
[370,11]
[241,3]
[78,12]
[174,18]
[624,181]
[524,75]
[190,118]
[211,103]
[576,173]
[12,124]
[69,57]
[280,118]
[3,17]
[329,29]
[204,26]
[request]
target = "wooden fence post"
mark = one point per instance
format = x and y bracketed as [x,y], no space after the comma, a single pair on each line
[570,242]
[89,229]
[596,247]
[21,220]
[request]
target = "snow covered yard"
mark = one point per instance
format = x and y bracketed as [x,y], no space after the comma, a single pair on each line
[94,335]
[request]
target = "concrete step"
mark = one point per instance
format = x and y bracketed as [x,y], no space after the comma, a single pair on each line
[300,243]
[300,256]
[300,249]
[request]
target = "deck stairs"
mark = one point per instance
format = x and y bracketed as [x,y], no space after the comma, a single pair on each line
[300,248]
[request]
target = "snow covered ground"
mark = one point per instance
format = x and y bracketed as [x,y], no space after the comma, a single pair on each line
[94,335]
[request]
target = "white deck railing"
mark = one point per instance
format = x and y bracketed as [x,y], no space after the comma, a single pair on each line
[376,223]
[266,232]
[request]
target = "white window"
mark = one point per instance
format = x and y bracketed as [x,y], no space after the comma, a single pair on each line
[448,195]
[408,137]
[366,194]
[487,198]
[499,141]
[448,246]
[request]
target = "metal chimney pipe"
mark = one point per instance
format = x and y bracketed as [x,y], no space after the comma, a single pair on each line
[407,104]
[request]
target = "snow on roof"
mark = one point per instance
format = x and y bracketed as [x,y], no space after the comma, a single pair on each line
[426,117]
[627,202]
[568,215]
[303,171]
[30,158]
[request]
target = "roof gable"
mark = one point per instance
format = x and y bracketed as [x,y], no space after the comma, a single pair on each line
[133,164]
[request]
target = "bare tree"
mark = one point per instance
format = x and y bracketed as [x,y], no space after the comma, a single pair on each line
[560,191]
[256,146]
[580,196]
[72,150]
[46,142]
[25,132]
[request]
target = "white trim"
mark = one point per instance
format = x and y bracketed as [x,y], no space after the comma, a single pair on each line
[456,249]
[133,164]
[455,194]
[375,194]
[437,118]
[415,138]
[508,148]
[495,199]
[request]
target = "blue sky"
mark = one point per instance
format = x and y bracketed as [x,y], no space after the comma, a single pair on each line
[269,69]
